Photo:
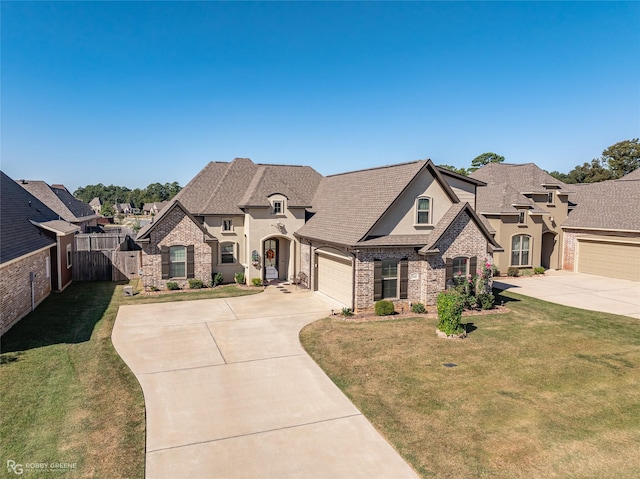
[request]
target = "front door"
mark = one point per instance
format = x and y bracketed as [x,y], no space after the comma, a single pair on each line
[271,259]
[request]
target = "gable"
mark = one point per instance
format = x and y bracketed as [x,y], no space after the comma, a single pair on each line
[400,217]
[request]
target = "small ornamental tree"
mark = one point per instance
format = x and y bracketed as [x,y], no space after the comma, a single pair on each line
[450,305]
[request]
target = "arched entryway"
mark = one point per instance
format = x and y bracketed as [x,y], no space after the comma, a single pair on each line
[548,248]
[276,254]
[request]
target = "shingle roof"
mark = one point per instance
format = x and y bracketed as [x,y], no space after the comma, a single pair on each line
[506,184]
[634,175]
[346,206]
[68,207]
[18,207]
[613,204]
[224,188]
[58,226]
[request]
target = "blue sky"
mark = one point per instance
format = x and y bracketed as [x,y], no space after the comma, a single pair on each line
[134,93]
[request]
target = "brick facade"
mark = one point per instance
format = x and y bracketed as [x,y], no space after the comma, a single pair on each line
[15,285]
[175,228]
[571,236]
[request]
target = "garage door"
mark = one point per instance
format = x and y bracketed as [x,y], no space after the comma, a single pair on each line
[615,260]
[334,276]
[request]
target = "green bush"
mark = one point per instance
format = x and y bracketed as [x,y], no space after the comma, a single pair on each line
[384,308]
[257,281]
[495,271]
[486,300]
[346,312]
[172,285]
[539,270]
[239,278]
[526,272]
[195,284]
[418,308]
[450,305]
[513,271]
[217,279]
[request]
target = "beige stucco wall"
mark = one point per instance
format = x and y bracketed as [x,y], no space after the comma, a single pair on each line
[15,284]
[465,191]
[400,219]
[213,225]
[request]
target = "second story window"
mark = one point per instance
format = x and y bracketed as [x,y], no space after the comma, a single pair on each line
[550,198]
[278,207]
[522,219]
[227,225]
[423,211]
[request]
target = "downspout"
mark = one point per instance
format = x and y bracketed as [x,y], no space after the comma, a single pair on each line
[32,279]
[59,262]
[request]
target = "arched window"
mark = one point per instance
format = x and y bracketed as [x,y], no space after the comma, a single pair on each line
[520,250]
[178,261]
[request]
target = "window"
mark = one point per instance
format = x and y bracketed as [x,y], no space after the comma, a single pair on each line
[521,217]
[550,198]
[520,248]
[178,261]
[389,278]
[460,266]
[227,251]
[423,209]
[69,262]
[278,207]
[227,225]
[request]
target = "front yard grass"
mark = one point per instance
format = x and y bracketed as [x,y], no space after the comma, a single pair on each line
[65,395]
[543,391]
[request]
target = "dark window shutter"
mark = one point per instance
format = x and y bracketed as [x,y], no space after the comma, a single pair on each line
[164,253]
[449,269]
[473,266]
[190,249]
[377,279]
[404,278]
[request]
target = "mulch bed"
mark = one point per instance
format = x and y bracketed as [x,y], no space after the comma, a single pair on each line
[367,316]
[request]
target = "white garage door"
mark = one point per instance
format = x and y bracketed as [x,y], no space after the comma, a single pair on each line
[334,275]
[615,260]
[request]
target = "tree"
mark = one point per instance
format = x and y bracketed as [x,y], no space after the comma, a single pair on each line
[589,173]
[560,176]
[460,171]
[484,159]
[623,157]
[107,210]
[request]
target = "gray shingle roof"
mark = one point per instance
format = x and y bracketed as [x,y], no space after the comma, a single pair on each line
[224,188]
[634,175]
[68,207]
[506,184]
[18,207]
[613,204]
[59,226]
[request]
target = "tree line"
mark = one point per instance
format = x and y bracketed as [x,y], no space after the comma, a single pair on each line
[616,161]
[110,195]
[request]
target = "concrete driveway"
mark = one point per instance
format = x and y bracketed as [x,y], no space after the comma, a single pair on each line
[230,393]
[586,291]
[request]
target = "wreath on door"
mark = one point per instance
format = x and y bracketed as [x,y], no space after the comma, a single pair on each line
[271,254]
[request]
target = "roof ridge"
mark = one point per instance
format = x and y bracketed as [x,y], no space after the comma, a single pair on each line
[253,184]
[377,168]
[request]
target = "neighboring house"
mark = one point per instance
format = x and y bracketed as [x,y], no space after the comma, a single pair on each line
[602,233]
[67,206]
[397,232]
[35,252]
[525,207]
[153,208]
[96,205]
[123,208]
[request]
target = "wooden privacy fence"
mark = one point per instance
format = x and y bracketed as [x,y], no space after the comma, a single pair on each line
[106,265]
[100,241]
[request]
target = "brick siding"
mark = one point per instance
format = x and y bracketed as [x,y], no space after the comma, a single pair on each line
[176,228]
[15,285]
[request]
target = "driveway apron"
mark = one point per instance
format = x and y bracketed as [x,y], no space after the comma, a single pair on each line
[230,392]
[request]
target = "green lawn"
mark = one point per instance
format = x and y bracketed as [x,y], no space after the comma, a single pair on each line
[66,396]
[542,391]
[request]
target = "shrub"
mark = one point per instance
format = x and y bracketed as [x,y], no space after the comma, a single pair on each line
[526,272]
[450,305]
[239,277]
[172,285]
[384,308]
[257,281]
[539,270]
[513,271]
[216,279]
[418,308]
[195,284]
[346,312]
[495,271]
[486,300]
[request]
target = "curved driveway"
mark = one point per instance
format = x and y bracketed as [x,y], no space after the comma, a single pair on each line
[230,393]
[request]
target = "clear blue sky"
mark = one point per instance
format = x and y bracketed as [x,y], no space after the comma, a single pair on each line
[135,93]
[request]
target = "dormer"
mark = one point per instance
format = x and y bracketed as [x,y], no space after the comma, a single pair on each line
[278,203]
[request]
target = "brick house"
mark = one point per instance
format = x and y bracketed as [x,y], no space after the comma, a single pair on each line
[35,252]
[401,237]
